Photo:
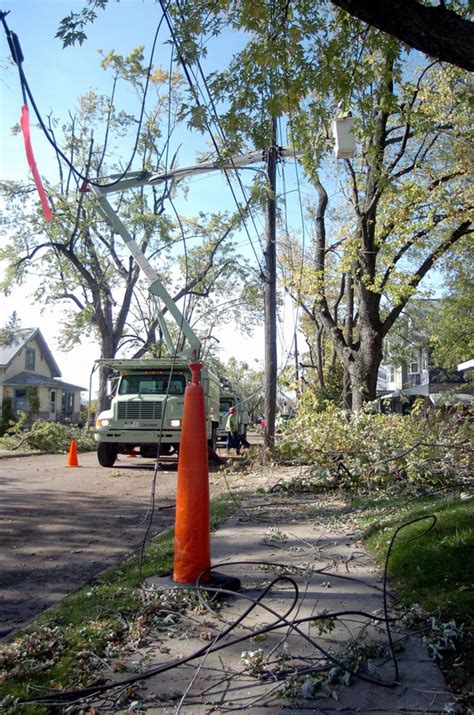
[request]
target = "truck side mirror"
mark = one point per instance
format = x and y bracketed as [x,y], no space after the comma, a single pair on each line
[111,386]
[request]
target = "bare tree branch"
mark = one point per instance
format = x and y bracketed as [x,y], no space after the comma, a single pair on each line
[463,230]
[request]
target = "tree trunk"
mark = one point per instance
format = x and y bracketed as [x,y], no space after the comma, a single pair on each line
[349,335]
[363,366]
[346,389]
[319,356]
[297,366]
[107,351]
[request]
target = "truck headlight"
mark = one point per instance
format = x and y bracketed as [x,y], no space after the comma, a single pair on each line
[175,423]
[103,423]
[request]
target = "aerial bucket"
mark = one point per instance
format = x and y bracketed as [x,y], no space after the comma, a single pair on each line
[344,138]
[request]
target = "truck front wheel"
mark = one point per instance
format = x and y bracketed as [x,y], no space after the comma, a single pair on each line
[106,454]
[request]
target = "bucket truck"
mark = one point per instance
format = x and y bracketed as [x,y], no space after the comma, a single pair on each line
[147,403]
[147,408]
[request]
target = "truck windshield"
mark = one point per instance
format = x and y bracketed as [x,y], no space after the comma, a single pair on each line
[225,405]
[152,384]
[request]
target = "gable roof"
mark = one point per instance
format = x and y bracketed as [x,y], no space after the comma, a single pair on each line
[19,338]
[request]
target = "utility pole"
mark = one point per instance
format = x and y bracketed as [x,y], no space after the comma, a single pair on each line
[270,292]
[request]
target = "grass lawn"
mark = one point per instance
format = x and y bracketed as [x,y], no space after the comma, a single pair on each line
[433,569]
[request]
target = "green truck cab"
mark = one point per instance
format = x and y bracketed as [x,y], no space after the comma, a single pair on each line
[146,411]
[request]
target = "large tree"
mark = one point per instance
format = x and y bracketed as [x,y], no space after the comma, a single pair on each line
[408,203]
[444,31]
[406,199]
[78,259]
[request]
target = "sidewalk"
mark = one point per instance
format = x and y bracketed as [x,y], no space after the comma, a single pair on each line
[264,673]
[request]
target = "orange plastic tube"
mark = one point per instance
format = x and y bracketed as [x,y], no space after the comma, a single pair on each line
[25,128]
[192,543]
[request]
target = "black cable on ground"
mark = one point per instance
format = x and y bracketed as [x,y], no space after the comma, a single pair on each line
[433,519]
[281,622]
[81,693]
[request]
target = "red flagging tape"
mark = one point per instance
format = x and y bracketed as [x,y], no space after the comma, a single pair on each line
[25,127]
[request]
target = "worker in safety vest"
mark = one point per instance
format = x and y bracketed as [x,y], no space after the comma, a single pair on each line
[232,429]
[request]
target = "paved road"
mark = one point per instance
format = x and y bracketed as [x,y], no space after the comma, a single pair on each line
[61,526]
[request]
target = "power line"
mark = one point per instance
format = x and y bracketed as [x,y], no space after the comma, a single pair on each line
[18,58]
[217,123]
[194,91]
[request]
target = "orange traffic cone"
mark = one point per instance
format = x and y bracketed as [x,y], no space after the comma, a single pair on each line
[192,541]
[72,460]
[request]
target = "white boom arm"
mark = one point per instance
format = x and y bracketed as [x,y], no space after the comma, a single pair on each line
[156,286]
[136,179]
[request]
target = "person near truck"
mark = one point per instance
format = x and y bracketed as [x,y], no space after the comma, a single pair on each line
[232,429]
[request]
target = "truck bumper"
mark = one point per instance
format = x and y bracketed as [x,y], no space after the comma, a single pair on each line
[136,436]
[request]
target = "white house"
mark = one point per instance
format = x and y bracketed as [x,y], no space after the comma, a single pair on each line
[412,374]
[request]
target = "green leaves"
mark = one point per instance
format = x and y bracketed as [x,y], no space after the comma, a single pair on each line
[130,68]
[71,29]
[452,327]
[373,452]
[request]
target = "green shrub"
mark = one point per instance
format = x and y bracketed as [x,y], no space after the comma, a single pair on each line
[7,417]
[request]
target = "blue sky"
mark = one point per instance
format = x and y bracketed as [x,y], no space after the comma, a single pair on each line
[57,77]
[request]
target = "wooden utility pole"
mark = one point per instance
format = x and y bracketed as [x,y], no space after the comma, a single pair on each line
[270,293]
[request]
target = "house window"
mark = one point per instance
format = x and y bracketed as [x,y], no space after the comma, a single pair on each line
[52,402]
[30,359]
[67,406]
[20,401]
[391,373]
[414,368]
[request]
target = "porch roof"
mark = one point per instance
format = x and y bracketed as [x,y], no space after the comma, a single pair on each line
[31,379]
